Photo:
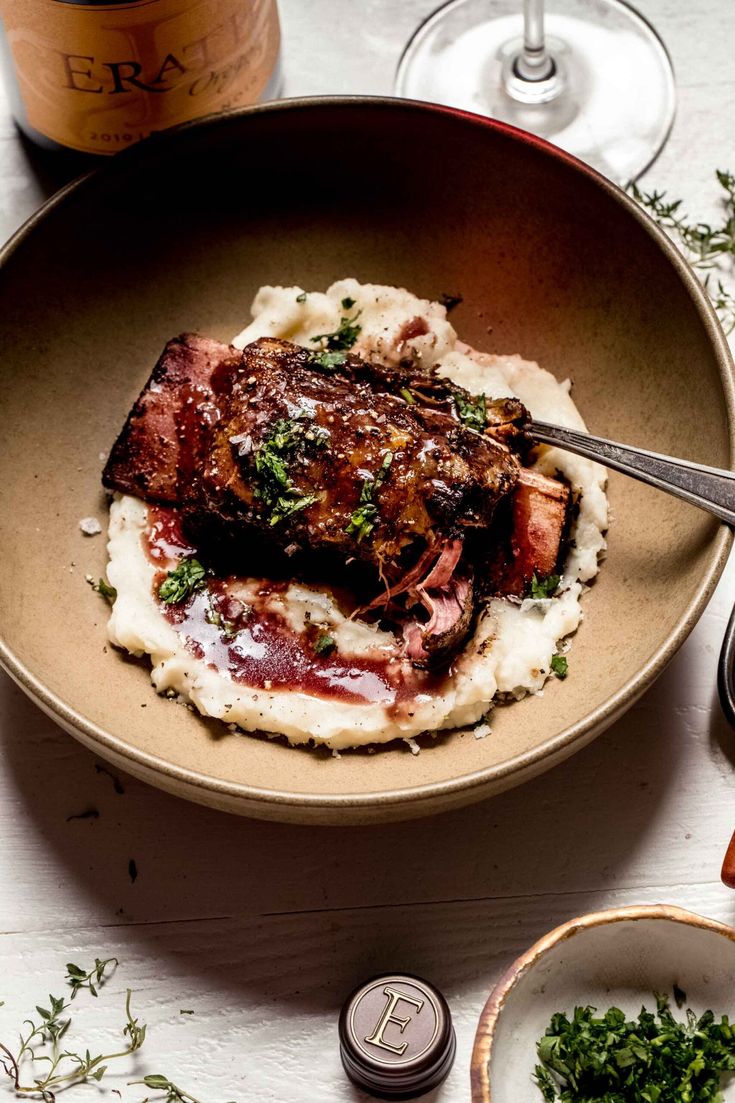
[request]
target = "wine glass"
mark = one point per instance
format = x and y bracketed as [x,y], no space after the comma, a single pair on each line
[591,76]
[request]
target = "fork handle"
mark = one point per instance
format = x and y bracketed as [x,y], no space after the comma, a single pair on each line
[710,488]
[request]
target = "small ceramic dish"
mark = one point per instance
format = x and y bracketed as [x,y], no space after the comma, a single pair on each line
[616,958]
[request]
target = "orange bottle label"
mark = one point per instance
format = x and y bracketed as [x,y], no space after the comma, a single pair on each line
[98,77]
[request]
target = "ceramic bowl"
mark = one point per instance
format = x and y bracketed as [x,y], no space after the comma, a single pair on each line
[177,234]
[618,958]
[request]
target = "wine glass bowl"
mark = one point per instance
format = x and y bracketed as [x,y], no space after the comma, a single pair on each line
[591,76]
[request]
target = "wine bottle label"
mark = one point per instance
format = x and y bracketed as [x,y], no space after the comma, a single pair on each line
[100,76]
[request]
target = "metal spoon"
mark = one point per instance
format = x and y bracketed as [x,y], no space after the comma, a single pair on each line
[707,487]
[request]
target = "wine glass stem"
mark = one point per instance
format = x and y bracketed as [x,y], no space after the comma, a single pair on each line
[534,62]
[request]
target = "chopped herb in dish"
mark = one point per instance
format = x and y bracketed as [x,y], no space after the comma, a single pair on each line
[301,298]
[348,303]
[606,1058]
[182,582]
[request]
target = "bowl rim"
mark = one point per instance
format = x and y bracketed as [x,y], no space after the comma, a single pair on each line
[485,1033]
[430,796]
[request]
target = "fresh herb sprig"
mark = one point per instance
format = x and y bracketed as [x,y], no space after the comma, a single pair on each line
[706,245]
[39,1068]
[606,1058]
[365,517]
[64,1067]
[471,410]
[91,979]
[183,581]
[344,336]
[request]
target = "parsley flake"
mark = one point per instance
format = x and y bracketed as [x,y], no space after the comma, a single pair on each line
[182,582]
[365,517]
[327,361]
[275,488]
[560,666]
[544,587]
[343,337]
[348,303]
[301,298]
[471,410]
[324,644]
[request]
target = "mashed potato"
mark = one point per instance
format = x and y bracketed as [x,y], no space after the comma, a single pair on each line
[513,644]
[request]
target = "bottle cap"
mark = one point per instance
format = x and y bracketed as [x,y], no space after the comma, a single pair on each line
[396,1037]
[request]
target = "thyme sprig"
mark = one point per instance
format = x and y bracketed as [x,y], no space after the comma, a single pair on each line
[40,1046]
[91,979]
[707,246]
[64,1067]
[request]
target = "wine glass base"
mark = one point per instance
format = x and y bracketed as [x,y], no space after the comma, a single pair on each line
[610,102]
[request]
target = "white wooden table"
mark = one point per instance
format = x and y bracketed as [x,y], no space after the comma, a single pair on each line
[262,929]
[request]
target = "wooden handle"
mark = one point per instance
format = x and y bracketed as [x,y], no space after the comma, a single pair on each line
[728,866]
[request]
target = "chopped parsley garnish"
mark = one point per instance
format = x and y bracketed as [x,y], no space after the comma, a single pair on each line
[560,666]
[182,582]
[301,298]
[348,303]
[285,506]
[275,488]
[327,361]
[343,337]
[450,301]
[406,394]
[606,1058]
[544,587]
[471,410]
[103,588]
[365,517]
[324,644]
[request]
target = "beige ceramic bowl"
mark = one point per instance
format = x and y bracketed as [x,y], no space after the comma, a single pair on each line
[177,234]
[615,958]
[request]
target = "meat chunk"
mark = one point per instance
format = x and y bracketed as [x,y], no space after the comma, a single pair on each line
[167,430]
[539,516]
[323,461]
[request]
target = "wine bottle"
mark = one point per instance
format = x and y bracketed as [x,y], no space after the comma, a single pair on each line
[96,76]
